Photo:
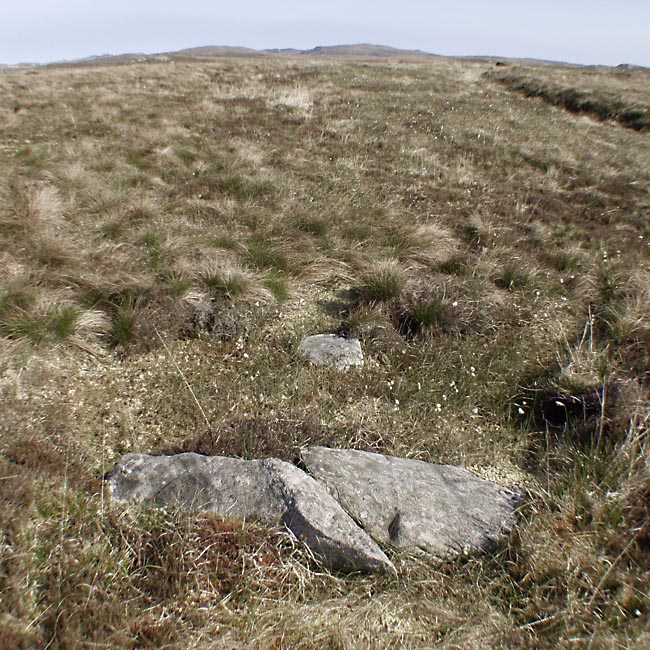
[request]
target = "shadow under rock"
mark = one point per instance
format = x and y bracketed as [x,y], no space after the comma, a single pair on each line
[342,306]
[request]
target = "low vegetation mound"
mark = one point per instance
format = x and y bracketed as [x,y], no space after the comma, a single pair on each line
[602,103]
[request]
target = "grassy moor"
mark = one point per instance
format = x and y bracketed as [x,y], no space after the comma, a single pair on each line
[170,229]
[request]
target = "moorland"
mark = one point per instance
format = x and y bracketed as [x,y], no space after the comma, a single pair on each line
[169,231]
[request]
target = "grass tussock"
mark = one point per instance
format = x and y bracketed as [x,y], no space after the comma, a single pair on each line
[382,281]
[169,231]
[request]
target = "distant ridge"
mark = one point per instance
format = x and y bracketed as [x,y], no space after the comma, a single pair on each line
[216,50]
[110,59]
[358,50]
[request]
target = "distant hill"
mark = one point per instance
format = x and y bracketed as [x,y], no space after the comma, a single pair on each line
[362,50]
[488,58]
[358,50]
[208,51]
[216,50]
[112,59]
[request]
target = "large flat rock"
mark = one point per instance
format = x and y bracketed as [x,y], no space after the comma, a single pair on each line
[331,350]
[442,509]
[272,490]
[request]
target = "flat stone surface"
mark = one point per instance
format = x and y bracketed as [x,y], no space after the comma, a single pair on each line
[331,350]
[442,509]
[272,490]
[229,486]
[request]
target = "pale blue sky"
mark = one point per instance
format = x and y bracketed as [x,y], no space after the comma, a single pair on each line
[579,31]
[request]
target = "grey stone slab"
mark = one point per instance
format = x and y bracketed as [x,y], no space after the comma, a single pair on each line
[271,490]
[229,486]
[442,509]
[332,350]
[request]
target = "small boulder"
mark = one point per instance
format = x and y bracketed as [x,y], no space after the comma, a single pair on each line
[442,509]
[331,350]
[273,490]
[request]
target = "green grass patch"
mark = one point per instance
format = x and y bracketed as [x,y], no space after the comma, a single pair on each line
[176,284]
[62,322]
[150,241]
[122,330]
[230,283]
[243,189]
[430,313]
[512,278]
[226,242]
[187,156]
[139,158]
[261,255]
[27,326]
[53,326]
[278,284]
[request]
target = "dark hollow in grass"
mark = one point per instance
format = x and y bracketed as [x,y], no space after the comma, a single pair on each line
[455,266]
[312,225]
[589,413]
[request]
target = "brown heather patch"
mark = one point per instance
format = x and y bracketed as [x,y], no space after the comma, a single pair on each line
[186,223]
[282,436]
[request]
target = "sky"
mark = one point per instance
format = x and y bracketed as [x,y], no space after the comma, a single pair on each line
[577,31]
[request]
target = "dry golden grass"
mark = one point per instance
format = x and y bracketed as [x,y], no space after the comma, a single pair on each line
[168,233]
